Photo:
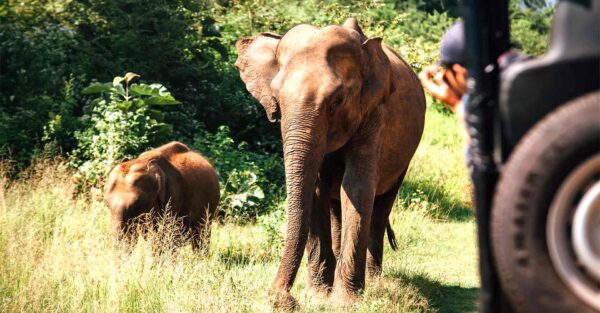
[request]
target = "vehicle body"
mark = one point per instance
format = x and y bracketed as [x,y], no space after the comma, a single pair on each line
[535,145]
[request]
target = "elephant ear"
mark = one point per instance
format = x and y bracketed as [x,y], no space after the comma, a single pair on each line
[258,65]
[352,23]
[377,73]
[169,181]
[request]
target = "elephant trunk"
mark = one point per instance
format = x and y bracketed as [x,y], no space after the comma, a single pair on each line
[303,146]
[118,225]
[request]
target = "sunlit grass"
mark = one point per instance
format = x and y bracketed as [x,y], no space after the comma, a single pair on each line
[56,252]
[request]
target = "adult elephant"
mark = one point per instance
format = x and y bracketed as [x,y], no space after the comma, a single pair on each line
[352,115]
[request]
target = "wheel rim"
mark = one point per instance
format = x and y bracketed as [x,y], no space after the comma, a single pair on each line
[586,231]
[573,232]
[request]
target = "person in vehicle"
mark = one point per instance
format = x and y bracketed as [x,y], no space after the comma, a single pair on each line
[447,79]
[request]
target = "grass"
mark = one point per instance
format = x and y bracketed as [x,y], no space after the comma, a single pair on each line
[56,253]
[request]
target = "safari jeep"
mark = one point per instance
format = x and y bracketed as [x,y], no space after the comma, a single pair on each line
[535,143]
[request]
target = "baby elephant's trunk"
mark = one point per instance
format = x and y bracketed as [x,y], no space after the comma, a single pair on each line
[118,226]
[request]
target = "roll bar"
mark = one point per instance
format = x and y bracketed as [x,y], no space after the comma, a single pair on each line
[487,37]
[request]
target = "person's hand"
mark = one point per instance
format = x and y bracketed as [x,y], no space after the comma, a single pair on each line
[445,85]
[457,79]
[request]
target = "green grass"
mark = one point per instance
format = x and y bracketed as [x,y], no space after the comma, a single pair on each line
[56,253]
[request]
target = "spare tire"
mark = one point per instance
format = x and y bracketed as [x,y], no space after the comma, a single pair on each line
[545,223]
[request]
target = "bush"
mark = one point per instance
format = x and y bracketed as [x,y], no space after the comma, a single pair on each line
[35,67]
[252,183]
[274,227]
[123,121]
[43,45]
[529,28]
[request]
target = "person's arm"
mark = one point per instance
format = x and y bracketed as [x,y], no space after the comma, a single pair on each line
[448,86]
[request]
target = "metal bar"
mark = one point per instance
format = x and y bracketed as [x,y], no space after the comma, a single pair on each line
[486,27]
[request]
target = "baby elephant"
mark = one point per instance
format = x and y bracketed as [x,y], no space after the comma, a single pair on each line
[171,177]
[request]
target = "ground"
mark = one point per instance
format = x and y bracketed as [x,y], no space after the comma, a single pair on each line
[56,252]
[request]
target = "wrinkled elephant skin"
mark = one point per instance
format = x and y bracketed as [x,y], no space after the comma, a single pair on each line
[171,177]
[352,114]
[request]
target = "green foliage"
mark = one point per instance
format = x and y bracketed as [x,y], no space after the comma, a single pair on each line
[251,183]
[50,50]
[122,121]
[537,4]
[272,225]
[62,124]
[189,47]
[414,33]
[44,44]
[440,6]
[529,27]
[34,75]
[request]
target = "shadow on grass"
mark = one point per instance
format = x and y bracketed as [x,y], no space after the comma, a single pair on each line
[444,206]
[441,298]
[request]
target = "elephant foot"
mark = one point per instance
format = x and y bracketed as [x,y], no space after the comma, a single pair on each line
[343,297]
[318,284]
[319,290]
[373,272]
[282,300]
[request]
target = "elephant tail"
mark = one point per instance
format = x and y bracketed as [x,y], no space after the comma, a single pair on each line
[391,236]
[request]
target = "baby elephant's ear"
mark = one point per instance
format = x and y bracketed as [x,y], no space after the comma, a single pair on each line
[257,64]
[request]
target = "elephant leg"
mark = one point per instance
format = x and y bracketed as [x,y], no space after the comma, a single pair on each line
[336,226]
[196,237]
[201,238]
[379,222]
[200,234]
[357,196]
[193,229]
[321,261]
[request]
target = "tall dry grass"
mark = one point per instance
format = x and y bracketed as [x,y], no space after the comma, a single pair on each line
[57,254]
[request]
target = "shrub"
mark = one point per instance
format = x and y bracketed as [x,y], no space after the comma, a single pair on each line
[123,121]
[251,183]
[529,27]
[34,66]
[274,227]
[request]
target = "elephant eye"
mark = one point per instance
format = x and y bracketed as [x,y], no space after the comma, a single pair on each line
[338,101]
[144,182]
[337,97]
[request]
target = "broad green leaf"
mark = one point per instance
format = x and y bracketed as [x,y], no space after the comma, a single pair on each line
[97,88]
[161,129]
[161,100]
[258,193]
[162,90]
[118,89]
[148,90]
[95,103]
[142,90]
[125,105]
[156,115]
